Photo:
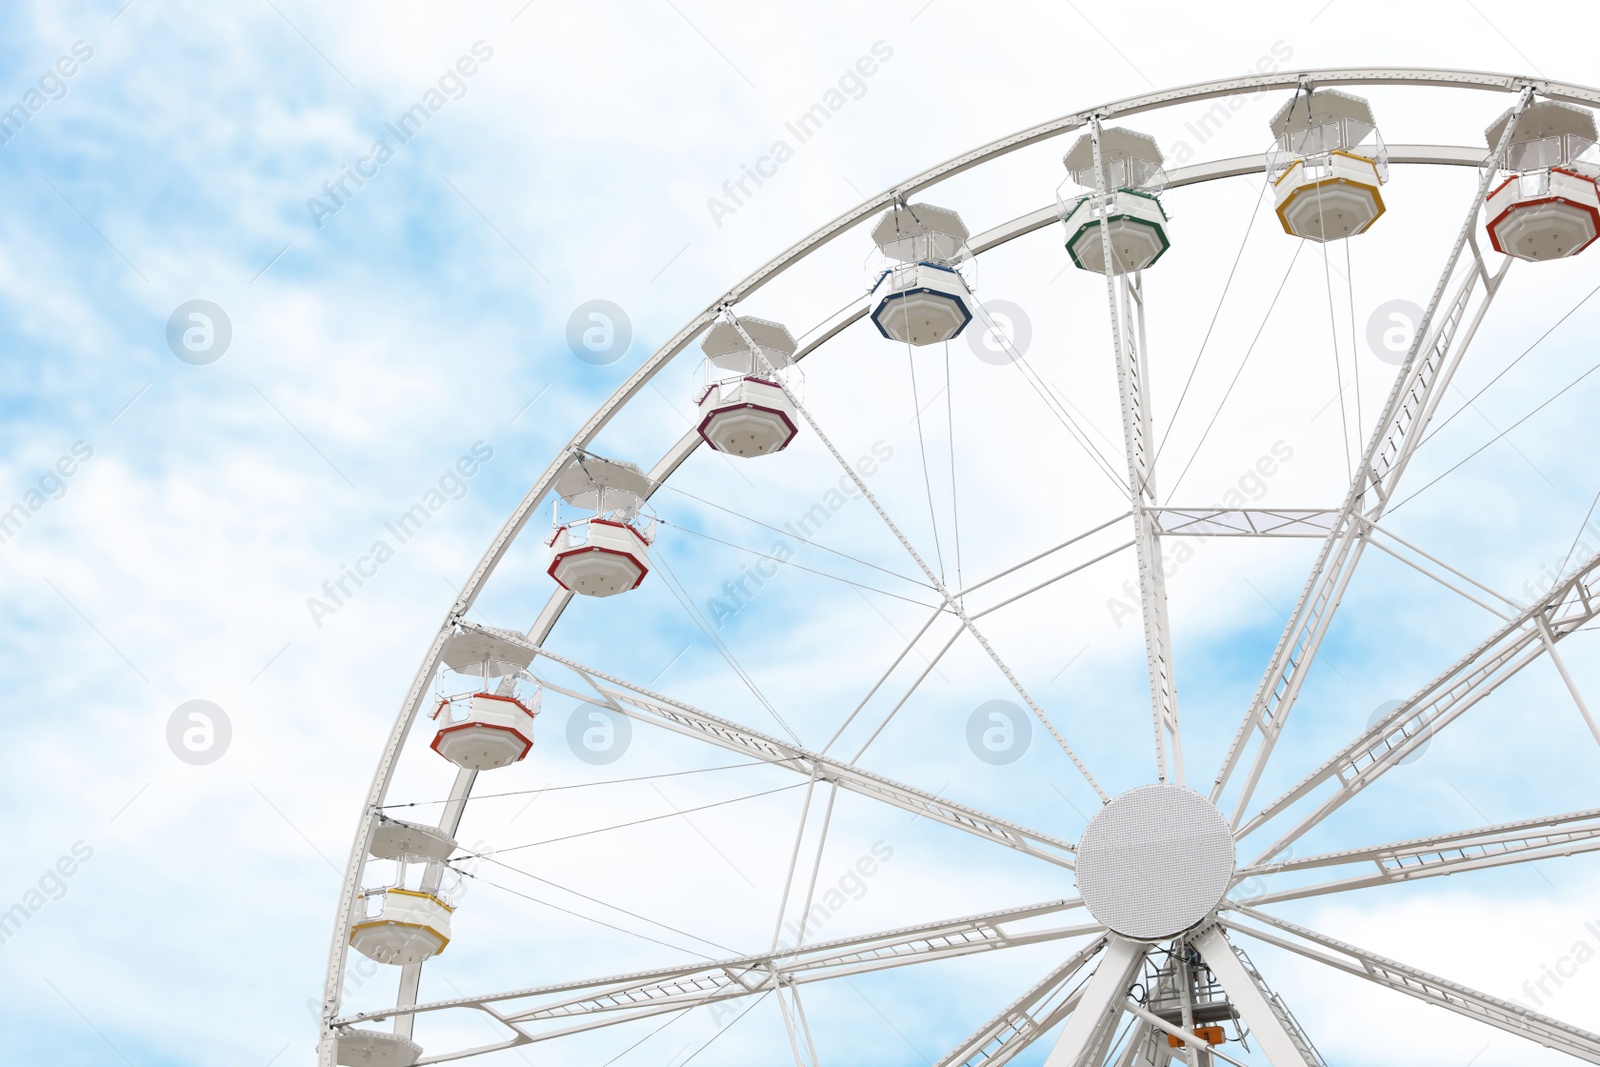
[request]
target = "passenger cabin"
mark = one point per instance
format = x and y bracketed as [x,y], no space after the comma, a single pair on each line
[1130,208]
[744,410]
[922,283]
[1547,206]
[1327,165]
[607,550]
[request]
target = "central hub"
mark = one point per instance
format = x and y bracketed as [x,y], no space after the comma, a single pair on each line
[1155,862]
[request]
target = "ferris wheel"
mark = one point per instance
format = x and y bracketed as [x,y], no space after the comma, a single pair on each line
[1169,884]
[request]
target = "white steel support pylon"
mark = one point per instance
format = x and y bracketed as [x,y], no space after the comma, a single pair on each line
[1270,1022]
[1093,1023]
[1125,301]
[1050,1000]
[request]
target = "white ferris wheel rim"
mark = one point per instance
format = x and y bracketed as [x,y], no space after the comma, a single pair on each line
[811,341]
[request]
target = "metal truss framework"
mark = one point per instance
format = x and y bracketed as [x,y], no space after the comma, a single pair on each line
[689,721]
[1125,302]
[1416,394]
[1572,603]
[572,1007]
[1431,989]
[1022,1021]
[1428,857]
[1090,1008]
[1243,522]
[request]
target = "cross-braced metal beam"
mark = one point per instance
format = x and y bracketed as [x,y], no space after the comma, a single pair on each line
[1243,522]
[1427,857]
[1416,394]
[646,706]
[1431,989]
[1573,602]
[1125,302]
[572,1007]
[1025,1019]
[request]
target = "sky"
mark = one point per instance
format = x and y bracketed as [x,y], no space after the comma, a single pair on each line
[193,491]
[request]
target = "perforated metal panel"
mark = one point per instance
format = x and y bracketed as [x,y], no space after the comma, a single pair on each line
[1155,861]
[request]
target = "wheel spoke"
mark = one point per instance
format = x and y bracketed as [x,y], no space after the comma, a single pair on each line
[607,1000]
[1560,612]
[794,862]
[933,662]
[1507,605]
[646,706]
[1431,989]
[797,1034]
[1427,857]
[1566,677]
[884,677]
[1417,391]
[1125,302]
[1069,572]
[975,586]
[1023,1021]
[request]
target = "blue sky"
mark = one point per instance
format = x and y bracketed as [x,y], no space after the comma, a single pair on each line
[584,158]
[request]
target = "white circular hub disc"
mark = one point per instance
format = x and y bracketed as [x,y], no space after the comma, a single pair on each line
[1155,862]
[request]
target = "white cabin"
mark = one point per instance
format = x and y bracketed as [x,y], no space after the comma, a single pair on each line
[744,410]
[1327,165]
[607,551]
[1130,209]
[1548,205]
[406,919]
[922,287]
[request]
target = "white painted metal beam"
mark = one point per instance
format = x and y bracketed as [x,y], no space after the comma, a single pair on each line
[675,715]
[1442,339]
[604,1001]
[1093,1023]
[1269,1019]
[1125,305]
[1523,841]
[1244,522]
[1573,602]
[1431,989]
[1025,1019]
